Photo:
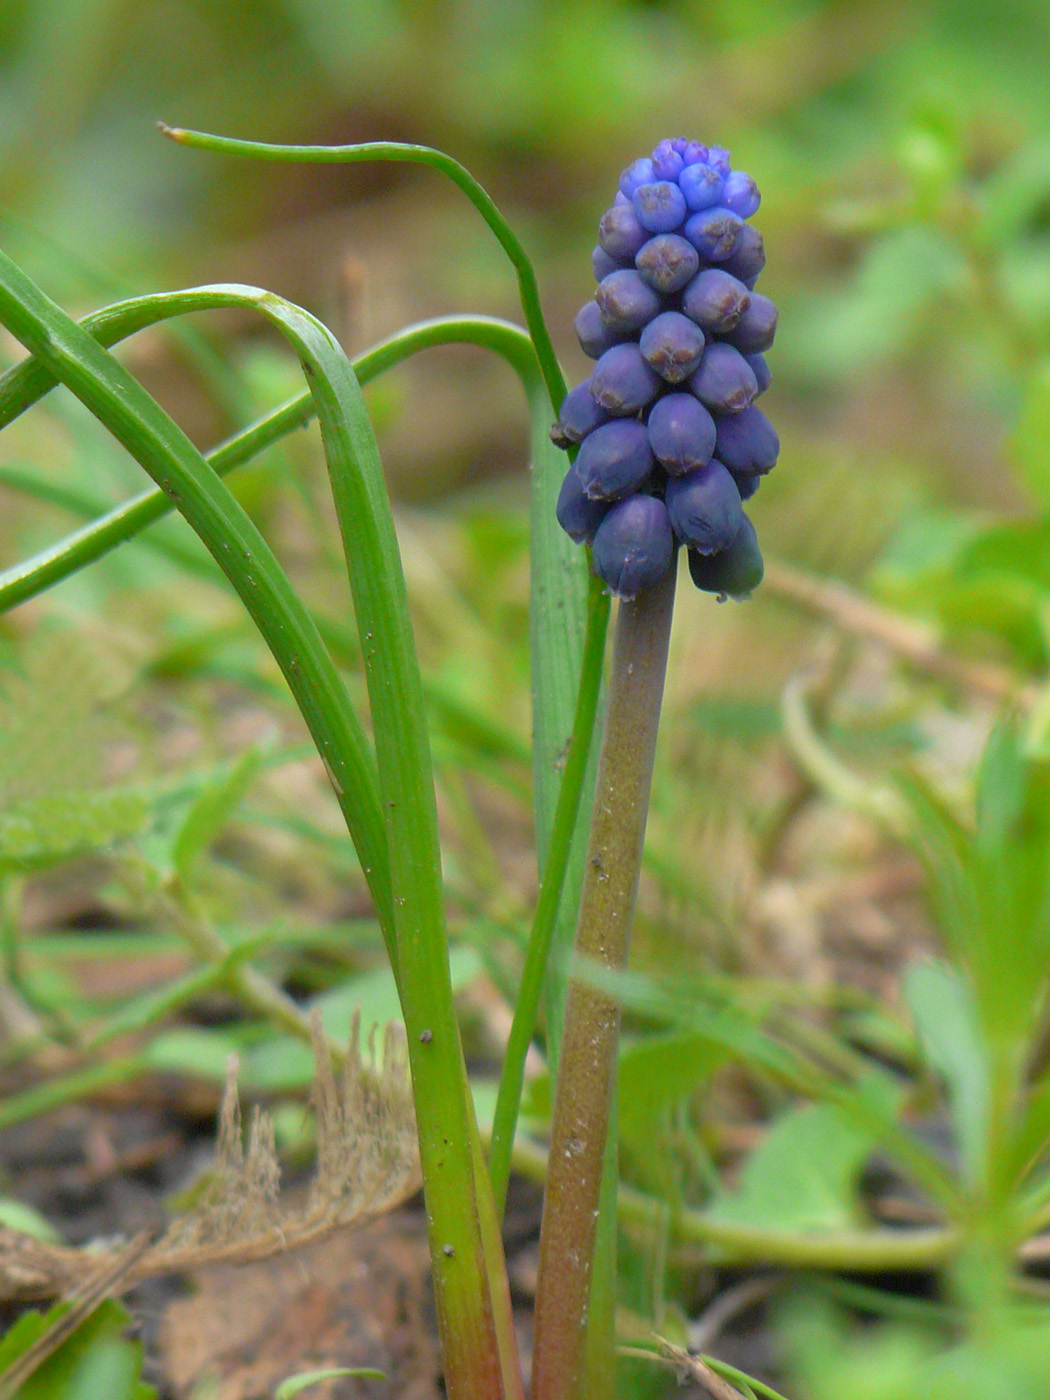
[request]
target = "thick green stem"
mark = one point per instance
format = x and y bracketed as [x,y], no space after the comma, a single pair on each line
[587,1072]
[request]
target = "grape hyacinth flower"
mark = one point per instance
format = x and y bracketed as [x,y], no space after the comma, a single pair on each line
[670,440]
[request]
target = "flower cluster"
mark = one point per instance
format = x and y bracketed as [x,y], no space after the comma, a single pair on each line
[670,441]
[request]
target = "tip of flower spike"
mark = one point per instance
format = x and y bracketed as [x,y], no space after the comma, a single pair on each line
[678,335]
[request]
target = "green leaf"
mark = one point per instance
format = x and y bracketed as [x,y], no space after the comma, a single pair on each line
[16,1215]
[1033,1133]
[111,1370]
[558,597]
[294,1384]
[136,420]
[214,805]
[803,1176]
[886,306]
[281,1063]
[946,1023]
[42,832]
[1015,193]
[1001,791]
[95,1353]
[657,1072]
[1029,444]
[203,1054]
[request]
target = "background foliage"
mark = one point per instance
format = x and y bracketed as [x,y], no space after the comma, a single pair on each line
[154,777]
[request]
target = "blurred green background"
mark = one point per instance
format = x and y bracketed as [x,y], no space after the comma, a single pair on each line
[903,153]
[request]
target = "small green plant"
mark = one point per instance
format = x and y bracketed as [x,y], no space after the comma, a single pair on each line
[384,783]
[670,445]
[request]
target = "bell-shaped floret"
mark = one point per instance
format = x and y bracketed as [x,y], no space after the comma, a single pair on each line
[735,572]
[704,506]
[615,460]
[634,546]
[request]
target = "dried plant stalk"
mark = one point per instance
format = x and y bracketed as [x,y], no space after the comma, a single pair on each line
[367,1163]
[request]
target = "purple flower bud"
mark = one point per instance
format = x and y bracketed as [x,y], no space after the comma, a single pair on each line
[735,572]
[715,300]
[713,232]
[594,335]
[742,194]
[623,381]
[704,506]
[602,264]
[748,257]
[681,433]
[620,233]
[660,206]
[634,546]
[693,152]
[626,302]
[761,369]
[747,485]
[673,345]
[718,159]
[667,161]
[639,172]
[614,460]
[755,330]
[701,186]
[724,382]
[747,442]
[579,414]
[667,262]
[578,515]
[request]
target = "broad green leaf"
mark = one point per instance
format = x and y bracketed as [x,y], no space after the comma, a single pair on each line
[1001,791]
[96,1349]
[111,1370]
[1016,192]
[803,1176]
[929,541]
[947,1026]
[1033,1134]
[557,623]
[657,1072]
[736,717]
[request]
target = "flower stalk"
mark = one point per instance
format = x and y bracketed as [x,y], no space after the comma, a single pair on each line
[587,1070]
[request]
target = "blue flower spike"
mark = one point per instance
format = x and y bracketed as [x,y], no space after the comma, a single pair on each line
[670,441]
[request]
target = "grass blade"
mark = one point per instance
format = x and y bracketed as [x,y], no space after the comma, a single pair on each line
[27,382]
[436,160]
[75,358]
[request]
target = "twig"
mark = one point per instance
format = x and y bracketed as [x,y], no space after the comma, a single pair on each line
[727,1306]
[917,642]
